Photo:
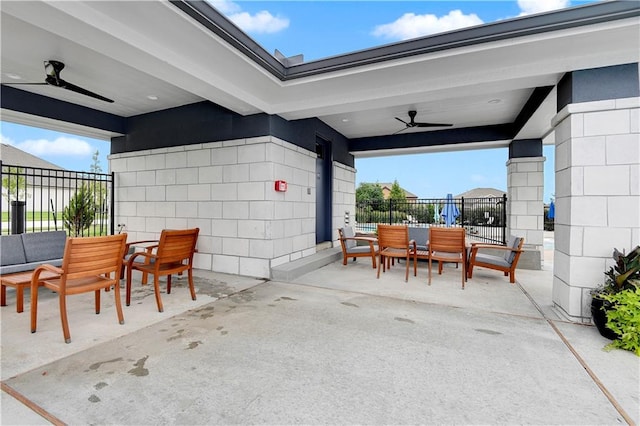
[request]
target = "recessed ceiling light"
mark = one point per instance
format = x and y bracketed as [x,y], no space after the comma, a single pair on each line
[14,76]
[494,101]
[345,120]
[152,97]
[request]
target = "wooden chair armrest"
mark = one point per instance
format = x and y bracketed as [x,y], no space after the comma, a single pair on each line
[146,254]
[46,267]
[133,243]
[369,239]
[477,246]
[148,248]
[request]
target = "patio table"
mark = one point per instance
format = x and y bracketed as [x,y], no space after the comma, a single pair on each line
[19,281]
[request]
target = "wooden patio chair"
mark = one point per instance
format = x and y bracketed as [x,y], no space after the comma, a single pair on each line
[89,264]
[506,263]
[394,242]
[350,247]
[447,245]
[173,255]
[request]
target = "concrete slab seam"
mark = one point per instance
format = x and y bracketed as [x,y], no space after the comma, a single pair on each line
[582,362]
[31,405]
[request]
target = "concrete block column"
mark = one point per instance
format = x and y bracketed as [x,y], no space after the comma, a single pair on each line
[344,198]
[525,210]
[597,196]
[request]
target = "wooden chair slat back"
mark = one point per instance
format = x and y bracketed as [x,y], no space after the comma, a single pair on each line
[448,240]
[91,256]
[393,236]
[177,245]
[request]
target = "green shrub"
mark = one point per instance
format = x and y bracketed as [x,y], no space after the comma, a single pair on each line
[624,318]
[80,212]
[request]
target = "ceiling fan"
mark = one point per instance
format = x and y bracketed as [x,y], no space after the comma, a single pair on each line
[52,70]
[412,123]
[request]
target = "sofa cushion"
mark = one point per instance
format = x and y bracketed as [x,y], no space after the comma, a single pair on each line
[492,260]
[12,251]
[24,267]
[348,232]
[420,236]
[44,246]
[513,242]
[361,249]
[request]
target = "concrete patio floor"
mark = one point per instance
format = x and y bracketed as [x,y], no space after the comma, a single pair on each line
[335,346]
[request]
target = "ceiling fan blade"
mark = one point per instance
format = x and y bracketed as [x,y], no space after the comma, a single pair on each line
[432,125]
[78,89]
[402,121]
[401,130]
[20,84]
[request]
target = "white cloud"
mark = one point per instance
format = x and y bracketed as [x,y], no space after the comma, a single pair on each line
[5,140]
[62,146]
[262,22]
[479,178]
[225,6]
[411,25]
[529,7]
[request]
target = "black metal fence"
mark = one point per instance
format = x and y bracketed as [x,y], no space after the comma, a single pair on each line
[485,219]
[36,200]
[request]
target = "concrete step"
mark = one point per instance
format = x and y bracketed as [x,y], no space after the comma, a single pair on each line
[292,270]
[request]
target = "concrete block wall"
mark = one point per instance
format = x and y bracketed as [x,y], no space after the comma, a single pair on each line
[344,198]
[525,208]
[597,196]
[227,190]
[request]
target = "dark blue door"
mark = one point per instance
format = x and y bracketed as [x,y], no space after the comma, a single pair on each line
[323,190]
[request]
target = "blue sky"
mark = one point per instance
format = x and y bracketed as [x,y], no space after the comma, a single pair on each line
[319,29]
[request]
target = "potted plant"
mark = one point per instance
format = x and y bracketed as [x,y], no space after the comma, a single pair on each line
[623,276]
[623,318]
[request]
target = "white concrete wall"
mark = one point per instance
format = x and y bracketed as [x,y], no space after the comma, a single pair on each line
[227,190]
[525,208]
[344,198]
[597,196]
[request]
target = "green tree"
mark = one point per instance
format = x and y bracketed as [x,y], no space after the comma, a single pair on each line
[98,189]
[95,166]
[80,212]
[397,193]
[14,185]
[369,193]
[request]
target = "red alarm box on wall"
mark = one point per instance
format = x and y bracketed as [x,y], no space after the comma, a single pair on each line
[281,186]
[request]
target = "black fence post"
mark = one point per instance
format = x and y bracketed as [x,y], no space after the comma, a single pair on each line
[390,211]
[462,211]
[504,219]
[113,204]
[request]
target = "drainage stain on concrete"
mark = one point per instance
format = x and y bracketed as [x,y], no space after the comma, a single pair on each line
[193,345]
[205,313]
[222,330]
[100,385]
[177,336]
[97,365]
[213,288]
[139,369]
[284,298]
[242,297]
[482,330]
[404,320]
[349,304]
[94,398]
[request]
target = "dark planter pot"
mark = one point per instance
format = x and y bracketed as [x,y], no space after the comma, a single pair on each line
[599,313]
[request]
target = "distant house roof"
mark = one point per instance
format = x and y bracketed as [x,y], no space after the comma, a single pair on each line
[482,193]
[387,187]
[16,157]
